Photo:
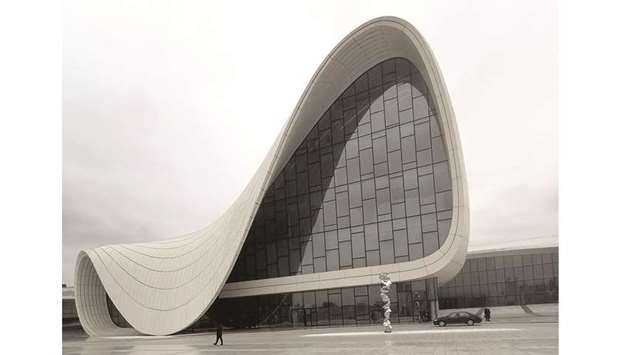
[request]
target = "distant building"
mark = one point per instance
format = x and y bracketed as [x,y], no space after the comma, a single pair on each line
[69,312]
[504,277]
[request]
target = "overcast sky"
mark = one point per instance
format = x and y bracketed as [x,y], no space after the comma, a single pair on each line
[170,106]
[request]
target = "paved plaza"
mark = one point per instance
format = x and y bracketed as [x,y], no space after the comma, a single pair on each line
[523,336]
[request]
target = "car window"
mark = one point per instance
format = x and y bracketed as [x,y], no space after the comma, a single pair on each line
[453,315]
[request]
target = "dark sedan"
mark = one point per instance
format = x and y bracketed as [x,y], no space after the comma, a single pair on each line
[457,318]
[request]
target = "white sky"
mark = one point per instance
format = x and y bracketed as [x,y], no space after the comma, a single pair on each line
[170,106]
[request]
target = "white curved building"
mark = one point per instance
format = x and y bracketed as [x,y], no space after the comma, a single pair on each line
[366,176]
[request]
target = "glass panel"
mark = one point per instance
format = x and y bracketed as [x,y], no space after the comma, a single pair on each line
[353,170]
[355,195]
[368,189]
[345,254]
[383,201]
[431,243]
[358,246]
[408,149]
[387,252]
[420,107]
[414,229]
[548,271]
[372,258]
[410,179]
[439,153]
[331,240]
[391,112]
[517,260]
[332,260]
[341,176]
[330,212]
[342,203]
[370,211]
[377,121]
[442,176]
[538,271]
[444,200]
[427,193]
[352,148]
[415,251]
[360,262]
[385,230]
[422,136]
[379,150]
[366,161]
[315,174]
[444,229]
[394,162]
[344,235]
[400,243]
[319,264]
[393,139]
[424,157]
[318,243]
[429,222]
[412,202]
[371,237]
[356,216]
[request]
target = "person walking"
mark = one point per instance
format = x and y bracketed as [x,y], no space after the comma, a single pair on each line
[218,332]
[487,314]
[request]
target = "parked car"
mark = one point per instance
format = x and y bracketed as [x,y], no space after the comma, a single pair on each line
[460,317]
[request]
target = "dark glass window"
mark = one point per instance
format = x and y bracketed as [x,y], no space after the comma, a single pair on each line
[368,185]
[503,280]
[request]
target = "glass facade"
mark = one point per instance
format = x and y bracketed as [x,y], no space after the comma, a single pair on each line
[411,301]
[369,185]
[525,277]
[517,277]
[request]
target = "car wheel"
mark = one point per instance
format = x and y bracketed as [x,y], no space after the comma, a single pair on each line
[442,323]
[470,322]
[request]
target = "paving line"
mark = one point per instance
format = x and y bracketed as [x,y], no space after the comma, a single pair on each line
[405,332]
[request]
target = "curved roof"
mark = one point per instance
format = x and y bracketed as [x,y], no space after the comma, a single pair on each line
[163,287]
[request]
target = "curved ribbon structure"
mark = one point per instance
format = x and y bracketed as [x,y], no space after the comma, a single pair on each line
[163,287]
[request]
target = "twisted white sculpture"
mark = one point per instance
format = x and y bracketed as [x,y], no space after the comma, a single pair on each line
[385,289]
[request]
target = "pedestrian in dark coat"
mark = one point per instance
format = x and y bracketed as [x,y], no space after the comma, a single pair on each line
[218,333]
[487,314]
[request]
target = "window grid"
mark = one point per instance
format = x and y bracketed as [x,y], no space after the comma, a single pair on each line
[323,307]
[349,184]
[499,281]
